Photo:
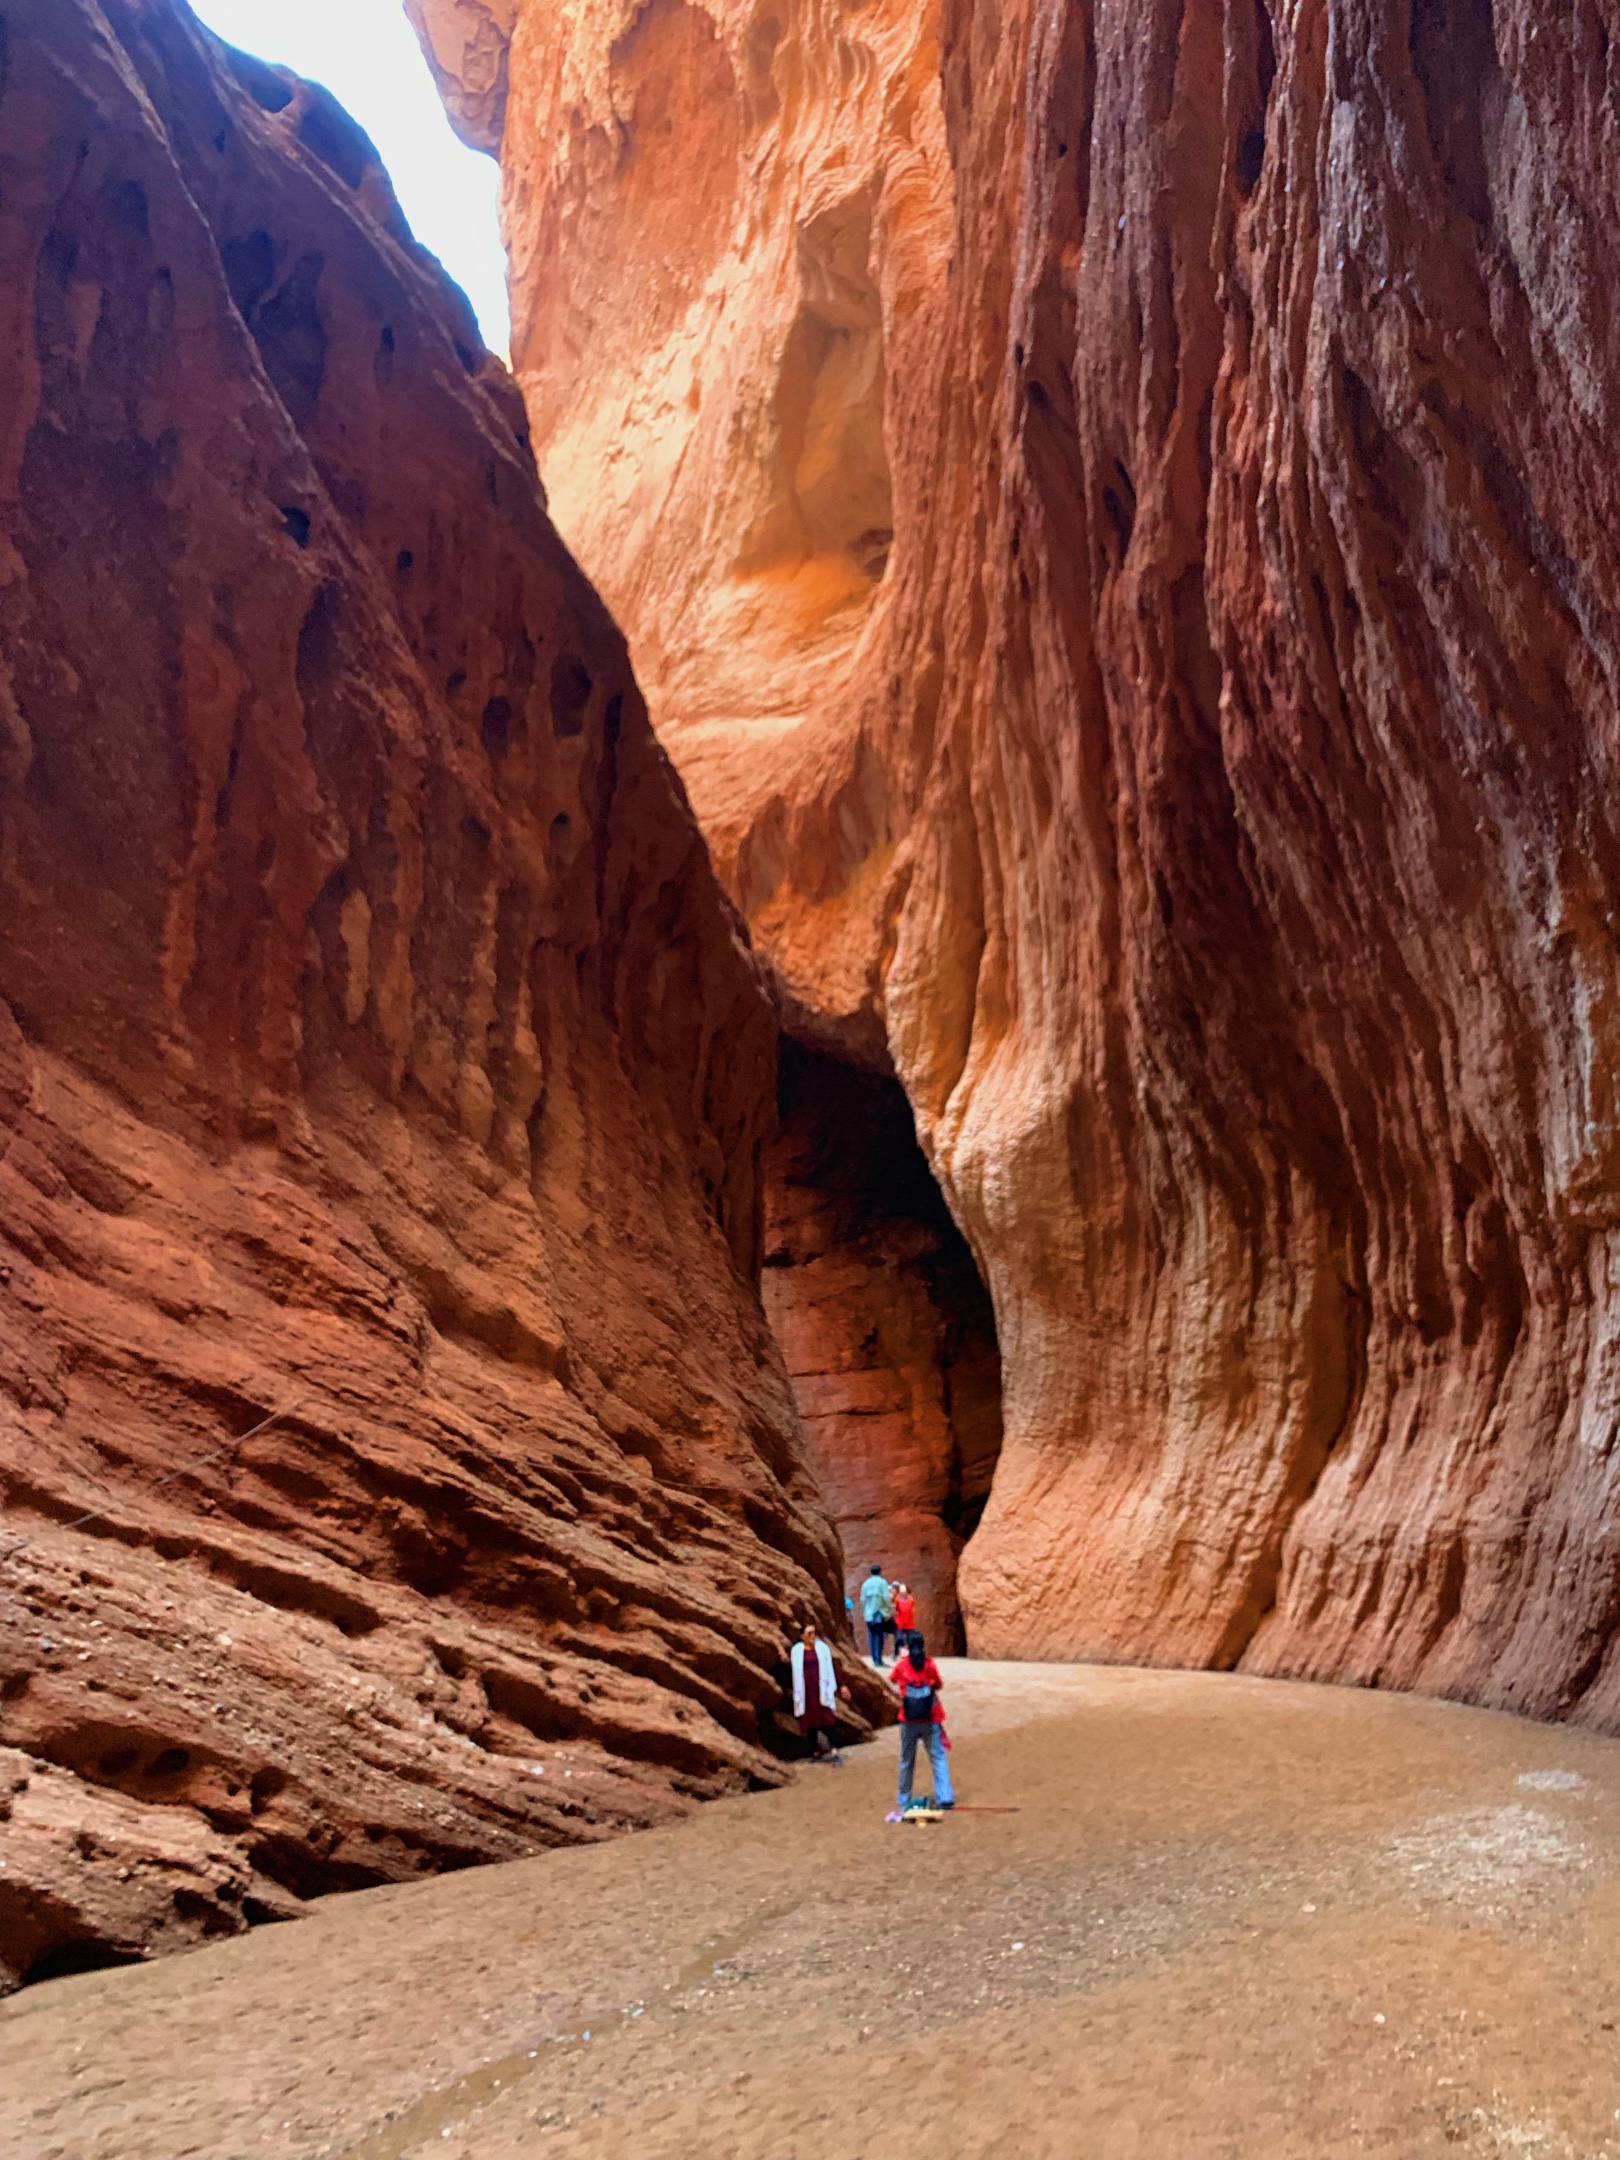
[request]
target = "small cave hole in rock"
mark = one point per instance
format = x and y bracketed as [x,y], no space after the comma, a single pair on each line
[831,495]
[886,1327]
[62,1961]
[571,688]
[496,725]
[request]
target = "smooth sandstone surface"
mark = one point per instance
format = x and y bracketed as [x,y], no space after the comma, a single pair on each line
[376,1049]
[1111,505]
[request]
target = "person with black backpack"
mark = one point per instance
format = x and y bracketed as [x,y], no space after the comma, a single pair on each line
[922,1723]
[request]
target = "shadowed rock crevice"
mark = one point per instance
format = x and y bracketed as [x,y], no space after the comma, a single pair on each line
[886,1326]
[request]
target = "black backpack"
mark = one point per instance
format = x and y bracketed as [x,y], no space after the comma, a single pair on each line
[917,1703]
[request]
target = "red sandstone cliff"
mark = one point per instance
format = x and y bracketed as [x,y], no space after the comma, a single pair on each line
[374,1042]
[1112,506]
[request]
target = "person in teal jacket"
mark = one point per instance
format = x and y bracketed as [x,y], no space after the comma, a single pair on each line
[877,1610]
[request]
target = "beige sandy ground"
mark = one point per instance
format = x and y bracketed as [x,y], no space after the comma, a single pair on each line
[1231,1918]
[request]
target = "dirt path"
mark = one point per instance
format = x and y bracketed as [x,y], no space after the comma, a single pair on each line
[1231,1918]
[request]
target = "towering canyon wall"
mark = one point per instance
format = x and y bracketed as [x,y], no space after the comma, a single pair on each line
[1111,505]
[376,1049]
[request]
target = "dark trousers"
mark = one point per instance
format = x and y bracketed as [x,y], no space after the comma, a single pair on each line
[876,1630]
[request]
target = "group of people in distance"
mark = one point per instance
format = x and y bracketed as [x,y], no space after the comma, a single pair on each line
[887,1609]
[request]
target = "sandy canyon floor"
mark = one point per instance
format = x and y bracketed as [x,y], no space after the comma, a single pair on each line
[1230,1917]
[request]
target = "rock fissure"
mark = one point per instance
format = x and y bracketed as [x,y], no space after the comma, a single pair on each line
[885,1327]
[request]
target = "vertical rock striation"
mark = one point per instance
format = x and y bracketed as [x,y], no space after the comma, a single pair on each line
[1205,785]
[376,1050]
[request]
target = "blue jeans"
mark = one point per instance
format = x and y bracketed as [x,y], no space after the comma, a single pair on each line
[876,1630]
[930,1737]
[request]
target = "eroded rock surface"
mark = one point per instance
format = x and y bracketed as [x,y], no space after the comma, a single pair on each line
[1113,506]
[376,1048]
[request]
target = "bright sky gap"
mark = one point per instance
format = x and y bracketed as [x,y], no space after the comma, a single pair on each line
[366,54]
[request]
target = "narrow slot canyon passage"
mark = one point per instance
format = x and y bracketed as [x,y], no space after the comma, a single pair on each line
[886,1328]
[1060,559]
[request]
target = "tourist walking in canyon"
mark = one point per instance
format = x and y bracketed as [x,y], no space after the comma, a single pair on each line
[816,1692]
[922,1724]
[905,1614]
[877,1610]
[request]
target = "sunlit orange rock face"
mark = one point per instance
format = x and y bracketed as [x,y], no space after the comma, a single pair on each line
[729,230]
[1206,793]
[376,1048]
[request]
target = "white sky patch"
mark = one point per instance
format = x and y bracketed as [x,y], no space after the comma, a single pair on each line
[366,54]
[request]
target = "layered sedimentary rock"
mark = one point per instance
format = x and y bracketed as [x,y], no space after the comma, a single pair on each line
[1112,504]
[377,1054]
[886,1329]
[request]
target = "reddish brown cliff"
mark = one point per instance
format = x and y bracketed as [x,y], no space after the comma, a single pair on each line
[1113,504]
[376,1048]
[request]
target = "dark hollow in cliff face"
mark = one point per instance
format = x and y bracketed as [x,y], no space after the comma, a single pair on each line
[886,1326]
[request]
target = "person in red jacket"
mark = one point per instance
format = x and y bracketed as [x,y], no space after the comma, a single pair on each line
[922,1723]
[905,1613]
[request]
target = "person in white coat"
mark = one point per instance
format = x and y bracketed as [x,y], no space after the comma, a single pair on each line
[816,1692]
